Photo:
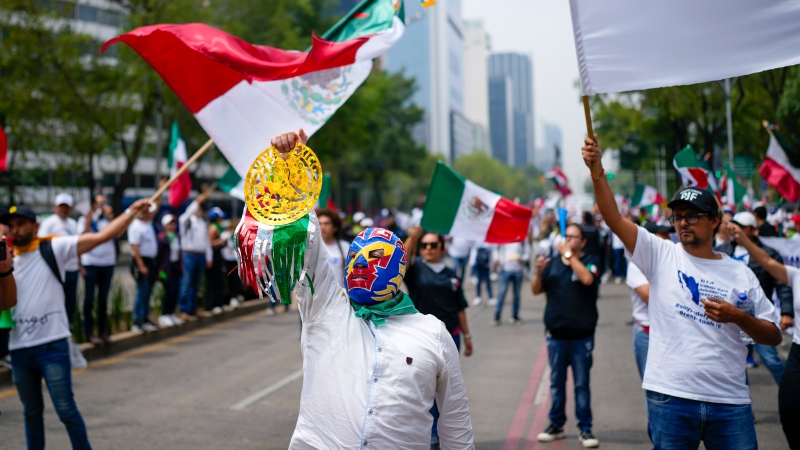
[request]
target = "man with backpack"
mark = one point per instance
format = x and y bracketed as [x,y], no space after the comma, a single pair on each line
[38,341]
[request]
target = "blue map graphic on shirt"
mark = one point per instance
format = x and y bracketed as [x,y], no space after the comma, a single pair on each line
[691,284]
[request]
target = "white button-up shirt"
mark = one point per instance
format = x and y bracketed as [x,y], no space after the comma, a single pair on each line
[372,387]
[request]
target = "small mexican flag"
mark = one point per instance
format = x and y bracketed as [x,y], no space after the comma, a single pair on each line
[735,193]
[645,195]
[458,207]
[781,167]
[694,172]
[180,189]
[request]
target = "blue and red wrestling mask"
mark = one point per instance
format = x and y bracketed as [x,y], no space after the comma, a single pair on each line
[376,264]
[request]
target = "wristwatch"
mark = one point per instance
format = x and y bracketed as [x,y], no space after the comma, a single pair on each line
[568,254]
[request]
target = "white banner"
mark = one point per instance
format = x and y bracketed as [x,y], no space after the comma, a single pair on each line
[788,248]
[625,45]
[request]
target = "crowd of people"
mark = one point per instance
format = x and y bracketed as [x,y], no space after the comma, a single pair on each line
[701,285]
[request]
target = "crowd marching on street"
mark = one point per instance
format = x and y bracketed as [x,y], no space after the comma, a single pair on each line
[704,288]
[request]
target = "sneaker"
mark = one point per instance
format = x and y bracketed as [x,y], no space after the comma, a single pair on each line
[604,279]
[588,440]
[270,311]
[97,341]
[492,301]
[618,280]
[235,303]
[150,326]
[515,321]
[137,329]
[552,433]
[6,362]
[165,321]
[496,321]
[216,310]
[751,362]
[175,320]
[477,301]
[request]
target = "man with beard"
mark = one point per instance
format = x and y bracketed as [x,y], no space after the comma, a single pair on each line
[695,377]
[372,365]
[38,342]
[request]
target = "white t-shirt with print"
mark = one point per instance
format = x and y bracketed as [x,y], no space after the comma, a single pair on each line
[144,235]
[56,226]
[793,274]
[690,355]
[741,254]
[634,279]
[40,315]
[335,258]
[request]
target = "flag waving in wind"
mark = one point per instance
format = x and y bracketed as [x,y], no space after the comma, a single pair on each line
[694,172]
[459,207]
[559,178]
[645,195]
[180,189]
[781,167]
[243,94]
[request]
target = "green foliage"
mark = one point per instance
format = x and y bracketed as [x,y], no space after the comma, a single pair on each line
[789,109]
[487,172]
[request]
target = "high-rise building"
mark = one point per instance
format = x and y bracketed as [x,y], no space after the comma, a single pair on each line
[432,52]
[501,119]
[476,82]
[549,155]
[516,68]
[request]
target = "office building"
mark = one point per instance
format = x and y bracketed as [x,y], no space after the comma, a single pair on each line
[476,82]
[517,70]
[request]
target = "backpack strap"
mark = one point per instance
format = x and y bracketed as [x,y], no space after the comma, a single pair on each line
[46,249]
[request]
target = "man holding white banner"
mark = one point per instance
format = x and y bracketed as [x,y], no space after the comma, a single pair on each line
[695,378]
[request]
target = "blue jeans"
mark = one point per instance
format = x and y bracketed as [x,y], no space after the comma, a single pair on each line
[144,288]
[460,266]
[620,263]
[51,362]
[641,341]
[679,423]
[194,265]
[578,354]
[434,410]
[99,277]
[515,278]
[483,277]
[769,356]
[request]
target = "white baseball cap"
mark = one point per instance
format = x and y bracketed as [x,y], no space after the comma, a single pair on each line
[64,199]
[745,219]
[167,219]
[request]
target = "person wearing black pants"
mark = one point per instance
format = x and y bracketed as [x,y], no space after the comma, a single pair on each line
[214,273]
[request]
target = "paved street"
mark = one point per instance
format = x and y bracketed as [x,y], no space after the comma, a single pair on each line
[237,385]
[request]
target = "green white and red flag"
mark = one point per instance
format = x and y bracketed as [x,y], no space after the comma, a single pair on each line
[243,94]
[458,207]
[3,150]
[176,158]
[781,167]
[694,172]
[325,199]
[735,193]
[560,180]
[644,195]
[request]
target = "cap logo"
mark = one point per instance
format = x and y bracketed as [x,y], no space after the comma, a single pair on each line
[689,195]
[12,210]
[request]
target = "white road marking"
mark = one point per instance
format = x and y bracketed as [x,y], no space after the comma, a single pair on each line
[542,390]
[267,391]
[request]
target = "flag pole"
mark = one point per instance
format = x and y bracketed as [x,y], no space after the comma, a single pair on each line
[588,115]
[183,169]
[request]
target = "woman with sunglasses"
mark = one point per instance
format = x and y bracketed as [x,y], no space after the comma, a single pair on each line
[436,290]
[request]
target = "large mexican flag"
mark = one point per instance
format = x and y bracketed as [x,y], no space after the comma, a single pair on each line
[243,94]
[644,195]
[781,167]
[459,207]
[694,172]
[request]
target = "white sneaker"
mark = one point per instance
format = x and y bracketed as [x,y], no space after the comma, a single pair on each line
[477,301]
[473,280]
[270,311]
[175,320]
[227,308]
[137,329]
[217,310]
[165,321]
[588,440]
[618,280]
[492,301]
[147,326]
[235,303]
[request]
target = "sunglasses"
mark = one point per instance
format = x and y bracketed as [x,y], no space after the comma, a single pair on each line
[424,245]
[691,218]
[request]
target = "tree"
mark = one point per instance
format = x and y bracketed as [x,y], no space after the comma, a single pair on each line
[489,173]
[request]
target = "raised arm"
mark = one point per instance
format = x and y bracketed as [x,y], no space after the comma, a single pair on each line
[757,254]
[624,228]
[536,283]
[88,241]
[411,243]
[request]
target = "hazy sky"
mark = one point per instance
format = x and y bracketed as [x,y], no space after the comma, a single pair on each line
[543,30]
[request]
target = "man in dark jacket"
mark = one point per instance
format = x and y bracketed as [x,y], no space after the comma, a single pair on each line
[768,283]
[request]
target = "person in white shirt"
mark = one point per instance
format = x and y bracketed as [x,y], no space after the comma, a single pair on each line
[330,225]
[61,224]
[372,365]
[39,340]
[789,388]
[98,270]
[458,250]
[196,254]
[144,249]
[510,259]
[695,379]
[640,297]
